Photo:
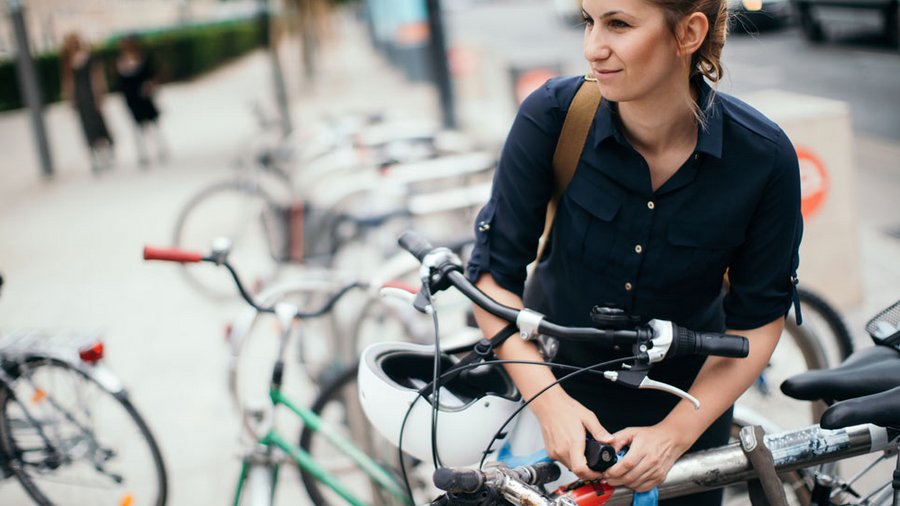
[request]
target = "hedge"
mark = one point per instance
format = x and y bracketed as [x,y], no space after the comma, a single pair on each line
[180,53]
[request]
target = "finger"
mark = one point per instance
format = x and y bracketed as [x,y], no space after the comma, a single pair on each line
[599,433]
[617,473]
[585,473]
[622,439]
[577,460]
[627,468]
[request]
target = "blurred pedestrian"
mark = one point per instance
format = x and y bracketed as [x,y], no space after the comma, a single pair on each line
[84,84]
[138,81]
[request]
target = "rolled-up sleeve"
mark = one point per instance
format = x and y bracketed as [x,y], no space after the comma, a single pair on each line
[508,227]
[763,271]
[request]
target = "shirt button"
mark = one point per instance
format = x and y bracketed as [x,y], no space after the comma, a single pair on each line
[638,248]
[696,156]
[651,205]
[628,287]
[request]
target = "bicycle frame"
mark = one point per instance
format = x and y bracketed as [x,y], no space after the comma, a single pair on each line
[697,472]
[272,439]
[263,459]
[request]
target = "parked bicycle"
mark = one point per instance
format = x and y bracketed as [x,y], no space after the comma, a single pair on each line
[279,216]
[351,442]
[325,346]
[848,430]
[69,432]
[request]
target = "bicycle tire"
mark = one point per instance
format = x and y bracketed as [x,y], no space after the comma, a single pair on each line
[244,212]
[62,398]
[797,351]
[331,404]
[253,348]
[835,332]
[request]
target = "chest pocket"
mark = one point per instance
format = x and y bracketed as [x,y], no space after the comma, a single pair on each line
[586,224]
[698,254]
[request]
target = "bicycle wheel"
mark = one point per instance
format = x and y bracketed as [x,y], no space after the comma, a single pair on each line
[797,351]
[244,212]
[797,487]
[254,345]
[823,321]
[338,406]
[70,440]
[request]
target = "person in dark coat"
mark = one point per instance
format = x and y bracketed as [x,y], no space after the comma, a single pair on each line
[137,80]
[84,85]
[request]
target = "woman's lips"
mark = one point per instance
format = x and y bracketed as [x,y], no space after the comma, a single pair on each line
[605,74]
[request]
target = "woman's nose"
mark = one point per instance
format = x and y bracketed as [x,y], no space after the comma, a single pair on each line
[595,45]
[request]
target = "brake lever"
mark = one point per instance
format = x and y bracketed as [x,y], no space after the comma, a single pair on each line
[636,377]
[418,299]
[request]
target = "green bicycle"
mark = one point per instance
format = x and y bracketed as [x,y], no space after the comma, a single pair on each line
[270,449]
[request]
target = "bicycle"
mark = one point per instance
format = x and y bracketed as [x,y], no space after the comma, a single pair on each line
[337,199]
[794,450]
[262,460]
[324,347]
[69,432]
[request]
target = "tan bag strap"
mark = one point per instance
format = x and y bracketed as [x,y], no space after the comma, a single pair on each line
[569,147]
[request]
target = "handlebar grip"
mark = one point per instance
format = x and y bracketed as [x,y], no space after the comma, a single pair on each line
[172,255]
[545,472]
[457,480]
[600,456]
[688,342]
[415,244]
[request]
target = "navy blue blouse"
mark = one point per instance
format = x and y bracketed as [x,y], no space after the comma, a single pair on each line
[734,203]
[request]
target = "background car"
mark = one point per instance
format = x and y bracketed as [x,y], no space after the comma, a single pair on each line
[755,15]
[815,15]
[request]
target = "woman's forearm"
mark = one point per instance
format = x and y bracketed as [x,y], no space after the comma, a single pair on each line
[529,379]
[721,381]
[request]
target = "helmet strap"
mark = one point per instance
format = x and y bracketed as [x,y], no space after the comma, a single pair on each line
[483,350]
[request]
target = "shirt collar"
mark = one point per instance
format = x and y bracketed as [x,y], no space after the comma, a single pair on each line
[709,139]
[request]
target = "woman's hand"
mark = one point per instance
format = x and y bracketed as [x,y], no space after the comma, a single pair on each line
[652,452]
[564,424]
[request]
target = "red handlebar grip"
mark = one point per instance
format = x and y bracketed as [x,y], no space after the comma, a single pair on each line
[171,255]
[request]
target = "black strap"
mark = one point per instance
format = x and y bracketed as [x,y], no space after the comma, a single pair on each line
[482,350]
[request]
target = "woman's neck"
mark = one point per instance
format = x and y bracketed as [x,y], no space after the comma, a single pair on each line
[660,122]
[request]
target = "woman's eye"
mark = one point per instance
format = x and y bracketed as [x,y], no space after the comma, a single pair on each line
[587,20]
[618,24]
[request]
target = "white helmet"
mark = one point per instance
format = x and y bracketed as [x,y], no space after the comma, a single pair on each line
[473,405]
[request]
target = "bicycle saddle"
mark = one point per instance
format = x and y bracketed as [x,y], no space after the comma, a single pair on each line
[880,409]
[865,372]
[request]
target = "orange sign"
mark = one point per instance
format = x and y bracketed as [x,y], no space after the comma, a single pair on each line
[813,182]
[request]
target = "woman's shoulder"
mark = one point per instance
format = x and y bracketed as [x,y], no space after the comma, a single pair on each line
[748,119]
[749,124]
[555,93]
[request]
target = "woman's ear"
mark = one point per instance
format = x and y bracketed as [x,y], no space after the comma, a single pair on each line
[692,32]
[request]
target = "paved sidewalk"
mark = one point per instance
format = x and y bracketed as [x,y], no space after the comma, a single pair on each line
[70,247]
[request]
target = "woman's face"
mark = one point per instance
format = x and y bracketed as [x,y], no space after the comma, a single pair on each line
[630,48]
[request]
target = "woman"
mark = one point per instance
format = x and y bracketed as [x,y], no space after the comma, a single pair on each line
[137,78]
[675,185]
[84,84]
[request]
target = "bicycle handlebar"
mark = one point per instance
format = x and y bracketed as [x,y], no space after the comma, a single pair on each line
[172,255]
[675,340]
[182,256]
[464,480]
